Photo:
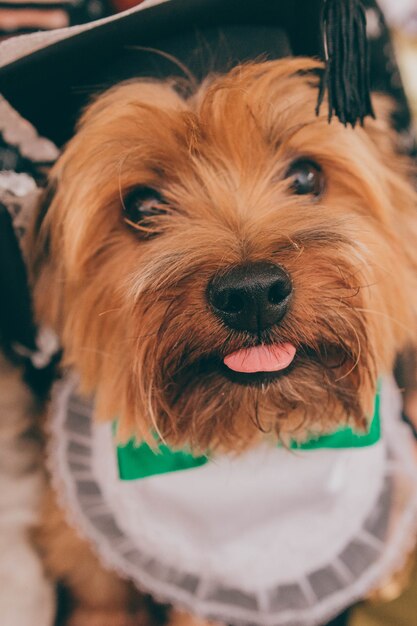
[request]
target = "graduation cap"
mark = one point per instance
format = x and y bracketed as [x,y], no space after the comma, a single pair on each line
[49,77]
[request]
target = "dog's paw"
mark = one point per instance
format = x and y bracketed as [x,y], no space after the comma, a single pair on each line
[103,617]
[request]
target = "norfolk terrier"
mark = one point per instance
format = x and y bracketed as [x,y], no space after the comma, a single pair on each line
[223,268]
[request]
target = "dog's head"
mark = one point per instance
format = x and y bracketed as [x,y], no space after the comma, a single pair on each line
[228,263]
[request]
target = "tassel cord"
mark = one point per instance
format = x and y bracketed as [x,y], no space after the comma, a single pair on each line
[346,76]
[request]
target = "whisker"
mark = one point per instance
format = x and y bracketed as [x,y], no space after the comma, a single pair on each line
[97,351]
[359,351]
[170,57]
[151,413]
[382,314]
[109,311]
[136,338]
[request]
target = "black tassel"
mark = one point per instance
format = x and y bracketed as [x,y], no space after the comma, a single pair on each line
[346,77]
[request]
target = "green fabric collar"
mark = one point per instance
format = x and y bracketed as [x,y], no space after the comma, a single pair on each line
[137,461]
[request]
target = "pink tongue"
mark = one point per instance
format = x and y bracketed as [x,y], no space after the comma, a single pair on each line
[261,358]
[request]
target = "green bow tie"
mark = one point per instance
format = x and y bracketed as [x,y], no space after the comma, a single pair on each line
[141,461]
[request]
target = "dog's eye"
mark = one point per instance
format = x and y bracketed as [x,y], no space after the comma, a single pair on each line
[141,206]
[306,177]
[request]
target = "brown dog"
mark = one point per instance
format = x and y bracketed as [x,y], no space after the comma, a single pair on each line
[222,268]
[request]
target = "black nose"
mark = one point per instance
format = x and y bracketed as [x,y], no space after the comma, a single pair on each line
[251,297]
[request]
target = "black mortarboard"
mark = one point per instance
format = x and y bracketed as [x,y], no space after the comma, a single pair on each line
[50,85]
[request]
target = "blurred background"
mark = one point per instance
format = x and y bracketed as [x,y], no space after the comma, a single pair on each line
[402,17]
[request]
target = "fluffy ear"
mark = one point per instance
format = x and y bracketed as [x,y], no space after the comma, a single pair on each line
[397,172]
[44,263]
[397,175]
[381,132]
[38,243]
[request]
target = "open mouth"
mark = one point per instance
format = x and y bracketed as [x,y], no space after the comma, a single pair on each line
[264,364]
[259,364]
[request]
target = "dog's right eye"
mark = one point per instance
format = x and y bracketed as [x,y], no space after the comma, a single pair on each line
[306,177]
[140,208]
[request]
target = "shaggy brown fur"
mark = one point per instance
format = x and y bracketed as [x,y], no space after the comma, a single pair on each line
[131,310]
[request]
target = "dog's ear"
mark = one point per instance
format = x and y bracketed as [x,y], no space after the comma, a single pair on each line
[390,155]
[382,131]
[396,174]
[44,256]
[40,237]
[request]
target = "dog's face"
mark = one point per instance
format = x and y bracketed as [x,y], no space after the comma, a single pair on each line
[229,264]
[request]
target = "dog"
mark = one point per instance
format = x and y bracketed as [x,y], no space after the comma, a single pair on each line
[223,268]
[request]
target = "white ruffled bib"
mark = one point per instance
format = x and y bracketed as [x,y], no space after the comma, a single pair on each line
[269,538]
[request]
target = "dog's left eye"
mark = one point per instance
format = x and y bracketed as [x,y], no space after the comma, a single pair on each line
[141,206]
[306,177]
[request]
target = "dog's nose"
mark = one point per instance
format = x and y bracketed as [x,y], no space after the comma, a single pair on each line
[251,297]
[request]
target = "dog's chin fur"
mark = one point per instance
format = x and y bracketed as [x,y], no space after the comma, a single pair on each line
[131,310]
